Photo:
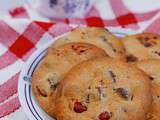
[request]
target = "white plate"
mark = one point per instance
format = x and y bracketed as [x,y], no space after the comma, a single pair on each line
[29,104]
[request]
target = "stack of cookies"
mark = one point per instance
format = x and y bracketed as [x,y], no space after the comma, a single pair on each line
[90,74]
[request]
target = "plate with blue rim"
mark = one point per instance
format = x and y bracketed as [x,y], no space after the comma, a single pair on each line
[26,97]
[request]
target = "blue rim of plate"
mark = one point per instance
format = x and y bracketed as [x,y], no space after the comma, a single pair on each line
[28,88]
[31,68]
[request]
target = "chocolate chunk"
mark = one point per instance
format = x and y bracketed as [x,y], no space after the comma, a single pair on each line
[144,41]
[147,44]
[155,37]
[89,87]
[41,92]
[158,53]
[131,58]
[113,76]
[58,54]
[81,51]
[131,97]
[124,93]
[151,78]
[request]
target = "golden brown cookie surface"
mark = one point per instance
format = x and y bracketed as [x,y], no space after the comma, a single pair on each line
[142,46]
[103,89]
[55,65]
[152,68]
[100,37]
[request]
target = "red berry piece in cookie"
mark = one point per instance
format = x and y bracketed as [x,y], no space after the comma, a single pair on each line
[104,116]
[79,107]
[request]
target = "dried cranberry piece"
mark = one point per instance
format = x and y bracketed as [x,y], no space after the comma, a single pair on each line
[104,116]
[79,107]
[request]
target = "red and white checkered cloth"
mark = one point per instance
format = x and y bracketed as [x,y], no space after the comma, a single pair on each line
[21,33]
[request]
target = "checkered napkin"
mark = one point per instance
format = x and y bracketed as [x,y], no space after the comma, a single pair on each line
[22,33]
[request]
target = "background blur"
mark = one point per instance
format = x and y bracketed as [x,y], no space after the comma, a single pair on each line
[139,6]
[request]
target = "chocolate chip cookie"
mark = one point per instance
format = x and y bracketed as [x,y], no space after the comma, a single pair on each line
[55,65]
[103,89]
[142,46]
[152,68]
[100,37]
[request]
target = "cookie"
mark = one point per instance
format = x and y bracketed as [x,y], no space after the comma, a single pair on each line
[103,89]
[97,36]
[142,46]
[55,65]
[152,68]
